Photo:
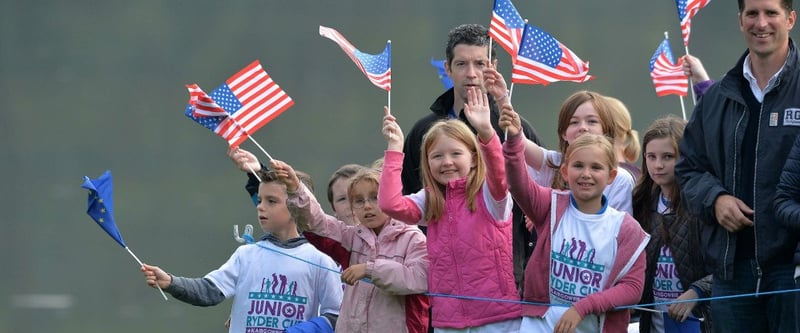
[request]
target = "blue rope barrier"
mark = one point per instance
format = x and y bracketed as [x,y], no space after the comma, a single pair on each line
[486,299]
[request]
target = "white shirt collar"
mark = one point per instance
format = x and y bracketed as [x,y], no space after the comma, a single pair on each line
[757,92]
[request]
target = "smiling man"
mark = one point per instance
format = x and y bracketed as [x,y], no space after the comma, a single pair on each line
[731,156]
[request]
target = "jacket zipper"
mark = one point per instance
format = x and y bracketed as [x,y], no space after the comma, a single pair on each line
[755,199]
[735,171]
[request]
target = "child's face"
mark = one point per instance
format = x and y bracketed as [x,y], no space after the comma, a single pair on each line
[584,120]
[341,205]
[660,159]
[365,206]
[273,215]
[449,159]
[588,173]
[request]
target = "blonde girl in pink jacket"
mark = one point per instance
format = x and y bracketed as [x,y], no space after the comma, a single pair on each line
[388,260]
[467,208]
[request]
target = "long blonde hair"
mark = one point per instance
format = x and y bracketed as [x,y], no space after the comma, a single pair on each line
[599,103]
[624,134]
[435,198]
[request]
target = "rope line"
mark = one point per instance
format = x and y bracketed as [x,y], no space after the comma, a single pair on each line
[497,300]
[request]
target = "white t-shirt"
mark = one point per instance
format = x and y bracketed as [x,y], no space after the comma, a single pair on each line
[583,251]
[272,291]
[619,193]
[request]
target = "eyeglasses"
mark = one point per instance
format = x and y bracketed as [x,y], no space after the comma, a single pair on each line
[361,202]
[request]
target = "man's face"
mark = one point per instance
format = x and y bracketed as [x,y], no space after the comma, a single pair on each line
[466,68]
[766,25]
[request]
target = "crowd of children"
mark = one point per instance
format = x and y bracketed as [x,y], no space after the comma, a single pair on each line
[611,237]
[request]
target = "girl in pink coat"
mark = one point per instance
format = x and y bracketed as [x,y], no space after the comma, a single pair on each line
[467,208]
[388,259]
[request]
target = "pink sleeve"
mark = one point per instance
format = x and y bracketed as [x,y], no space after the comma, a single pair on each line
[627,291]
[409,277]
[534,200]
[495,169]
[307,212]
[390,191]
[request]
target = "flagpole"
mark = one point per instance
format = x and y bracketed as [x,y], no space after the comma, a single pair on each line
[691,84]
[142,265]
[389,91]
[490,49]
[683,108]
[254,173]
[249,137]
[510,91]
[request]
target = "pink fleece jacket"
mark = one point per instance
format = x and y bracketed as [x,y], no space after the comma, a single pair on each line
[470,252]
[396,262]
[624,287]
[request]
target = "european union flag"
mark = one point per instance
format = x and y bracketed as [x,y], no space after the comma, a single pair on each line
[447,82]
[690,325]
[101,204]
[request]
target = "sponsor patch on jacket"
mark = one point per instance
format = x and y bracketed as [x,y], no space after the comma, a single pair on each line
[791,117]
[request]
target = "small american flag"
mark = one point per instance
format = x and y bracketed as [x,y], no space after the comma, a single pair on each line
[686,10]
[377,67]
[542,59]
[668,77]
[507,26]
[247,101]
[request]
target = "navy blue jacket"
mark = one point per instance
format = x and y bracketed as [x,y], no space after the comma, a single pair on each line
[787,197]
[710,163]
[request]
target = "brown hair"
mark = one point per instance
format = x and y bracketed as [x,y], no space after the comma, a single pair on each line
[368,175]
[269,176]
[343,172]
[599,103]
[434,198]
[646,191]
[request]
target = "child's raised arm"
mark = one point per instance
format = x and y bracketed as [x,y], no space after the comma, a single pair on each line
[477,111]
[286,175]
[391,132]
[390,193]
[534,200]
[244,160]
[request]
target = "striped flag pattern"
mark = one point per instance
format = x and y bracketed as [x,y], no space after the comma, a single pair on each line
[667,76]
[686,10]
[506,26]
[377,67]
[542,59]
[247,101]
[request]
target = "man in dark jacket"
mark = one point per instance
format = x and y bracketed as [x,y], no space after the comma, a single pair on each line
[467,59]
[787,205]
[731,155]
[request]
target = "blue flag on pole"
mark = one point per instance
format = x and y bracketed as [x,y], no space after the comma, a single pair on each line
[101,204]
[447,82]
[690,325]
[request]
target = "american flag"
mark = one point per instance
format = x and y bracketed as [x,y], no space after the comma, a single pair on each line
[542,59]
[686,10]
[507,26]
[668,77]
[247,101]
[377,67]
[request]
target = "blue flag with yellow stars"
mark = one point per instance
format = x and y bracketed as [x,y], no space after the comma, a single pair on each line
[101,204]
[447,82]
